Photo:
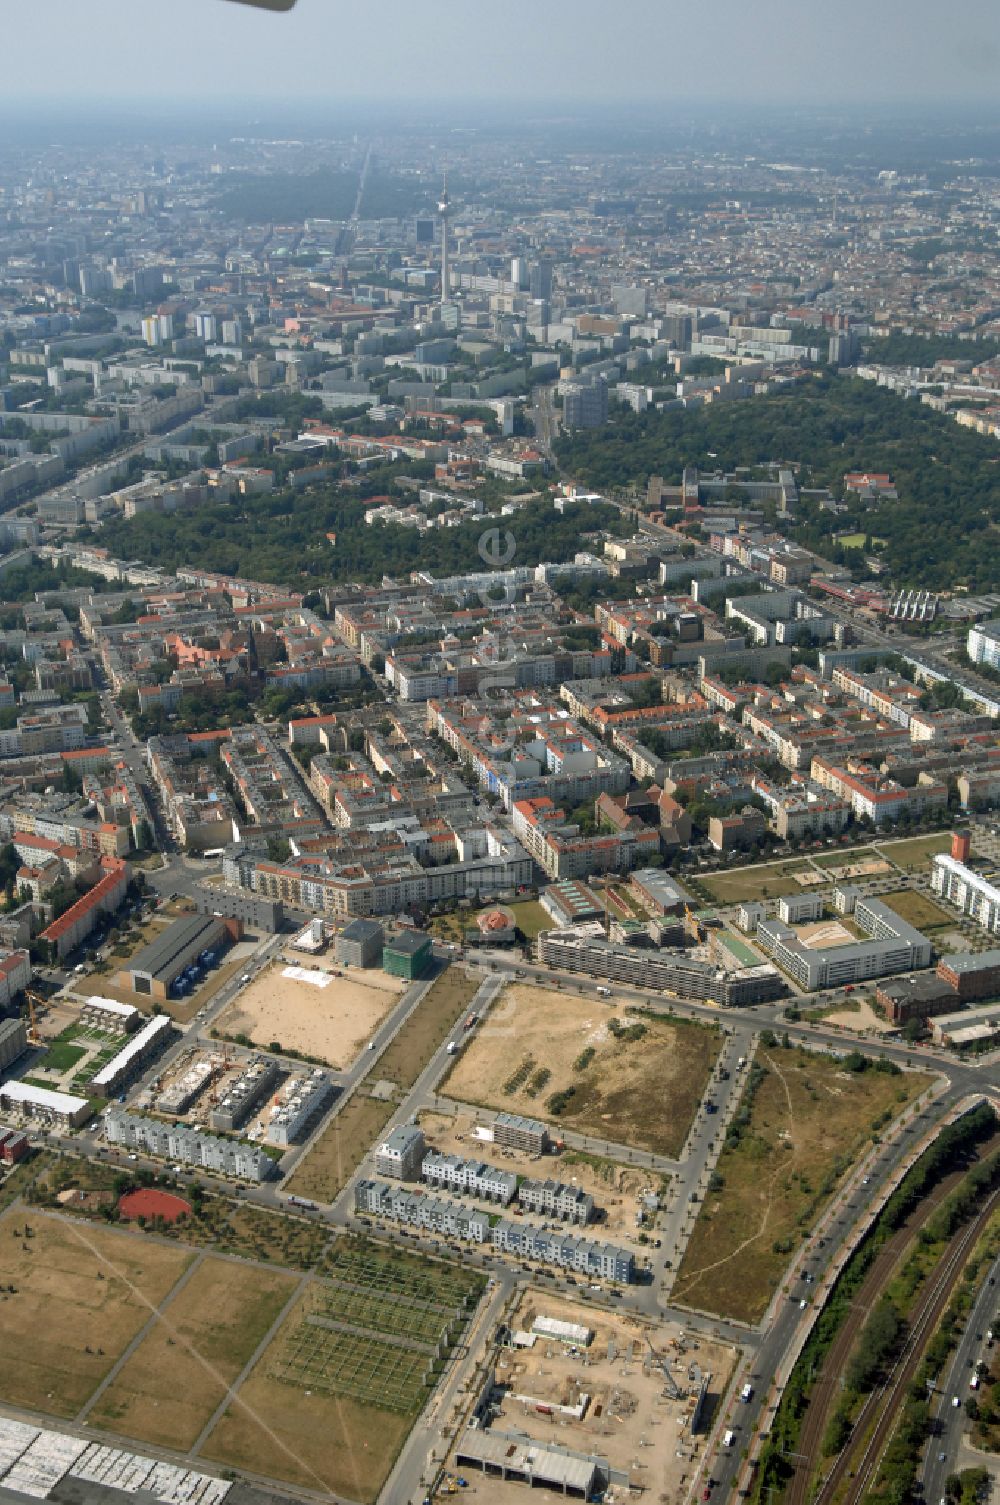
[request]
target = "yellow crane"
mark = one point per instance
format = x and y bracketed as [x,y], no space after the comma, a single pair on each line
[31,998]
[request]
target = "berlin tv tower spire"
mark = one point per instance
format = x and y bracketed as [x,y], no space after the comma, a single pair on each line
[444,213]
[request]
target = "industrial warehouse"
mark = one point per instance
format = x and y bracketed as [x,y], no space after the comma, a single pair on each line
[154,970]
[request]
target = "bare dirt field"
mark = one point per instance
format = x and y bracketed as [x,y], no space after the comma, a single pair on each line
[629,1419]
[823,934]
[859,1019]
[75,1296]
[331,1023]
[170,1386]
[615,1188]
[626,1078]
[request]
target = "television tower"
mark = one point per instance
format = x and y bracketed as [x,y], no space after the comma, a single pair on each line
[444,213]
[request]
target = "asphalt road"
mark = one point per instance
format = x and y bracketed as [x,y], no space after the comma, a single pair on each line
[949,1420]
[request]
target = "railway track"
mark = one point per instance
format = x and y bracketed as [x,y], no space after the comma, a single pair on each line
[882,1405]
[808,1455]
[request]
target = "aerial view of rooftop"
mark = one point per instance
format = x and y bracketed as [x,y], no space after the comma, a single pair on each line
[499,753]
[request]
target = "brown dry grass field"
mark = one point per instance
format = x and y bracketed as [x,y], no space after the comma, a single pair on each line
[331,1023]
[321,1443]
[641,1092]
[167,1391]
[445,1001]
[80,1295]
[332,1160]
[808,1123]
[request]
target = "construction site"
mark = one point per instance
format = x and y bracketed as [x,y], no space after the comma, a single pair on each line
[580,1400]
[227,1091]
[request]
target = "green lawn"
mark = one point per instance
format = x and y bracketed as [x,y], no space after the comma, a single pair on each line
[531,918]
[62,1054]
[914,855]
[763,881]
[919,911]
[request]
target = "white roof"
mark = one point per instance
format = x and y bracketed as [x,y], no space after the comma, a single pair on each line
[135,1046]
[109,1006]
[42,1097]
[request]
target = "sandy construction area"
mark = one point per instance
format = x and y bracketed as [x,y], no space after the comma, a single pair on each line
[825,933]
[628,1079]
[629,1418]
[331,1023]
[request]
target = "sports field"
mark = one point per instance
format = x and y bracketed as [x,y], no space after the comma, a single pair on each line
[626,1078]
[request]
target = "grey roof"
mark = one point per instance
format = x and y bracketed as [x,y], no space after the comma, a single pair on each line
[537,1459]
[361,930]
[972,961]
[163,957]
[408,942]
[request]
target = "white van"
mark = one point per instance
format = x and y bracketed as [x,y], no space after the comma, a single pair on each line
[728,1438]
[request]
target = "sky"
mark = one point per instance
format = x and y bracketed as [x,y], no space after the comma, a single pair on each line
[593,52]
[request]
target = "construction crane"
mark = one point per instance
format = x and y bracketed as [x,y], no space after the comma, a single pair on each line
[30,999]
[671,1385]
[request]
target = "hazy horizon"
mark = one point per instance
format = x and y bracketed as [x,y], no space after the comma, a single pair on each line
[588,55]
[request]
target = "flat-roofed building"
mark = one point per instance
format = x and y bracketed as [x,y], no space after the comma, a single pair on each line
[513,1132]
[401,1153]
[895,946]
[126,1065]
[360,944]
[570,900]
[109,1016]
[556,1199]
[475,1177]
[44,1106]
[541,1465]
[13,1041]
[967,1026]
[407,955]
[969,891]
[920,995]
[971,974]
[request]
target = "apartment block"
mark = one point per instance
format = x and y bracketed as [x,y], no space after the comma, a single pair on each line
[973,894]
